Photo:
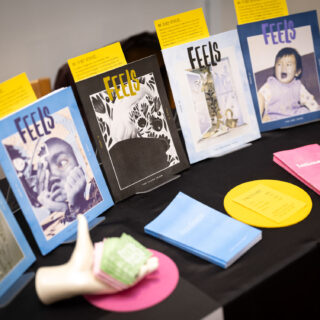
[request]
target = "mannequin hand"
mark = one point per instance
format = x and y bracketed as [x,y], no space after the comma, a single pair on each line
[76,276]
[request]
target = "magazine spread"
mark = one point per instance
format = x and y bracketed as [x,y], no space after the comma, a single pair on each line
[282,58]
[51,166]
[131,123]
[212,97]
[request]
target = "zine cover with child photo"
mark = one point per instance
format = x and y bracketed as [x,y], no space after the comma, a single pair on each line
[282,62]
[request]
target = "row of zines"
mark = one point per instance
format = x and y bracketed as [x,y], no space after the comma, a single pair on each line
[227,89]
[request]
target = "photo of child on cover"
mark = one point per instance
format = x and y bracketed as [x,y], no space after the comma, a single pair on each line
[215,99]
[55,174]
[285,75]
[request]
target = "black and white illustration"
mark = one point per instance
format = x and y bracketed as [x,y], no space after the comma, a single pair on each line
[10,251]
[135,132]
[215,99]
[55,174]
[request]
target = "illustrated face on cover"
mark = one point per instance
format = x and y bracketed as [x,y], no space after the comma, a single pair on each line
[136,132]
[285,72]
[55,173]
[10,251]
[215,99]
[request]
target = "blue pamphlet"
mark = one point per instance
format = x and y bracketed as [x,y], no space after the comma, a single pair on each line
[16,255]
[282,58]
[51,166]
[209,234]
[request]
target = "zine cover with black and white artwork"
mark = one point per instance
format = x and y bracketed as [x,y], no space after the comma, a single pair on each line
[52,167]
[133,119]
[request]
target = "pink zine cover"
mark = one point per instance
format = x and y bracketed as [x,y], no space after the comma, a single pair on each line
[303,163]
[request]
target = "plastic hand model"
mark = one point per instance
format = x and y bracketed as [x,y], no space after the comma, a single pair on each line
[76,276]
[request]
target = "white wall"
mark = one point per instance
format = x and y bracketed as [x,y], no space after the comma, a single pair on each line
[38,36]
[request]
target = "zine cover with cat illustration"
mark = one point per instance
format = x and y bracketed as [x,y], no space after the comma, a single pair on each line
[282,58]
[15,252]
[52,168]
[212,97]
[132,125]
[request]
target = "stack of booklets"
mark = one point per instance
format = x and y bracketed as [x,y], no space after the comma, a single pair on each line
[117,261]
[203,231]
[303,163]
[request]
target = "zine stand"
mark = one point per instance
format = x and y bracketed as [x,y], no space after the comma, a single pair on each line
[160,185]
[231,150]
[93,223]
[15,289]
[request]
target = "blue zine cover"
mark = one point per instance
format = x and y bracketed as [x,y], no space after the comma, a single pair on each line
[49,161]
[16,255]
[203,231]
[282,58]
[212,97]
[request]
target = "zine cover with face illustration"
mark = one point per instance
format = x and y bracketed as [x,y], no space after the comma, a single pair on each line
[282,58]
[15,252]
[52,168]
[131,123]
[211,94]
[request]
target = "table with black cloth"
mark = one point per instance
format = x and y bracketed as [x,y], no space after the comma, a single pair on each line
[279,278]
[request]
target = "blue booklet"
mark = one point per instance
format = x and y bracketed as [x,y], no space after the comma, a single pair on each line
[50,164]
[212,97]
[16,255]
[209,234]
[282,58]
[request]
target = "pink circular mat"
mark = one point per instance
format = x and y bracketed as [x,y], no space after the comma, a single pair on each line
[151,290]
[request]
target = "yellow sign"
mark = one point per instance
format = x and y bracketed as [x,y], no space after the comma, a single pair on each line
[97,61]
[268,203]
[15,93]
[256,10]
[181,28]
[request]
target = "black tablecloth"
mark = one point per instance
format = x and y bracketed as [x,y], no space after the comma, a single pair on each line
[278,278]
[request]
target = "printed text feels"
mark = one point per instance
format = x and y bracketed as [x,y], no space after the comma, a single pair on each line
[280,32]
[128,84]
[204,56]
[30,126]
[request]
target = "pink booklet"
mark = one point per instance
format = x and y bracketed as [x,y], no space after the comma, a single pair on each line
[303,163]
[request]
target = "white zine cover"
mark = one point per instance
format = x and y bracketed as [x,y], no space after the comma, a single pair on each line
[16,255]
[212,98]
[50,164]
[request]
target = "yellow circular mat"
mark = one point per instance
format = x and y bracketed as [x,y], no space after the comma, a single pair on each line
[251,215]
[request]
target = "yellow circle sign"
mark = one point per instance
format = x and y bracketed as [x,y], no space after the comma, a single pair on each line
[268,203]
